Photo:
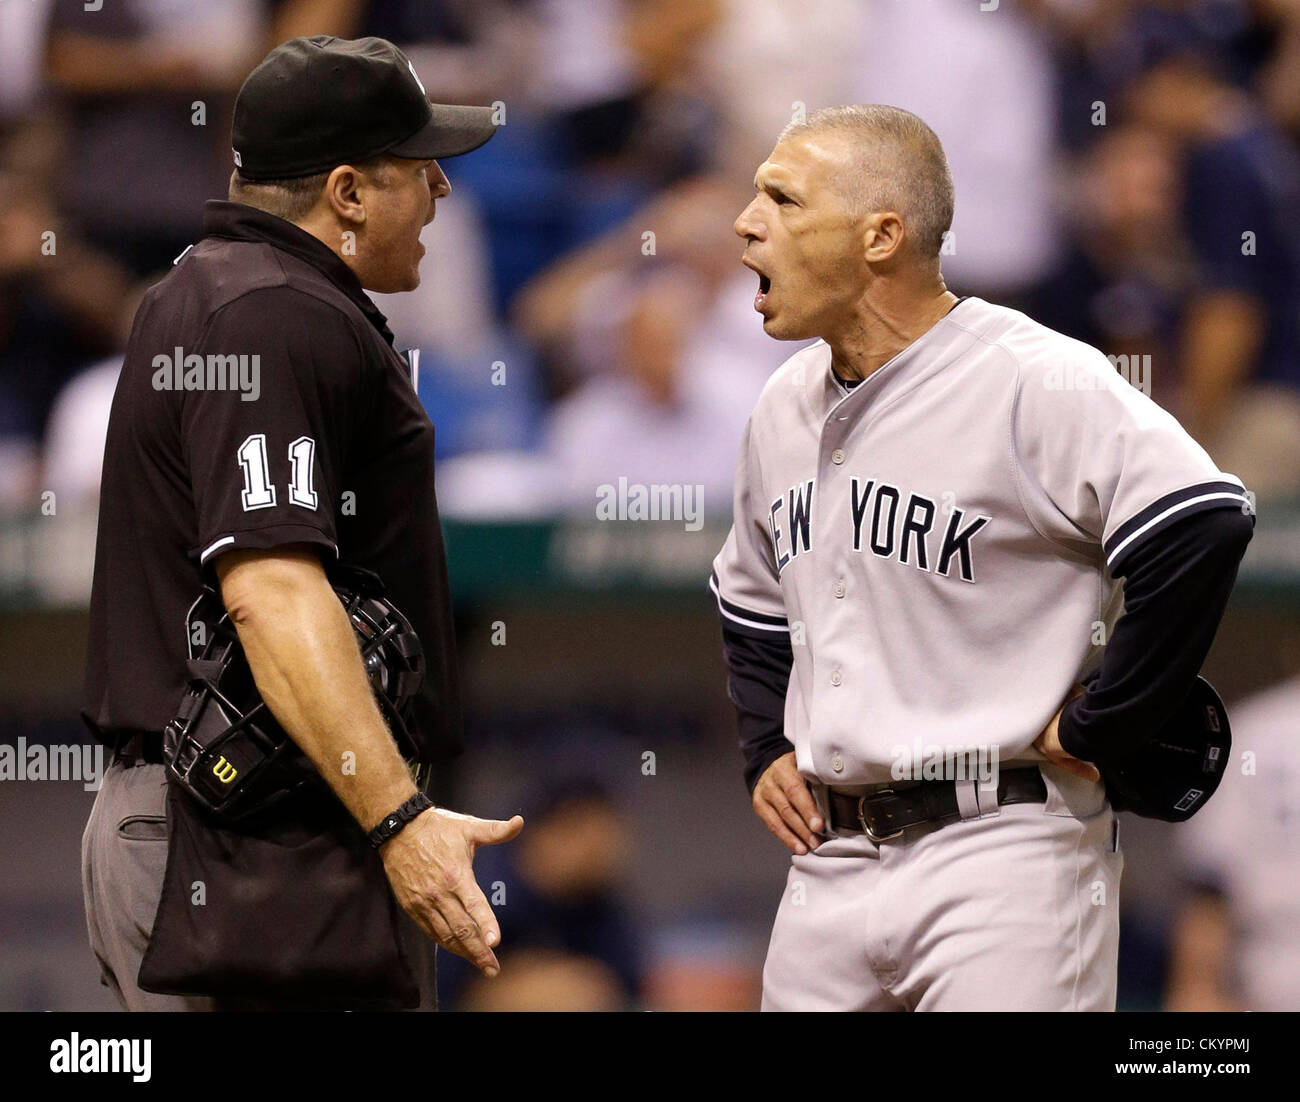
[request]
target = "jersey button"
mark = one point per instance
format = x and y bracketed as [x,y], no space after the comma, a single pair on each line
[836,677]
[837,456]
[837,764]
[840,589]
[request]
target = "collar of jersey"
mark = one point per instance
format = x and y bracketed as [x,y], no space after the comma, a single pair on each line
[240,222]
[886,375]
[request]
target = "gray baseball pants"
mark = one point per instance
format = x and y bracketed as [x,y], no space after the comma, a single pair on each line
[1018,911]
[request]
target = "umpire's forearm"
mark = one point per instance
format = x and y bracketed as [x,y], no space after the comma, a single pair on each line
[305,660]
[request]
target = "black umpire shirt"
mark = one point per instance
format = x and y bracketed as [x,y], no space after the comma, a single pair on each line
[261,403]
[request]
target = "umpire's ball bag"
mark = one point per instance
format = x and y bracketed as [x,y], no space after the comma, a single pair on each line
[294,908]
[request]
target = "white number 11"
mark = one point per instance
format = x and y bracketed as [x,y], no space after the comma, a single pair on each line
[259,493]
[301,452]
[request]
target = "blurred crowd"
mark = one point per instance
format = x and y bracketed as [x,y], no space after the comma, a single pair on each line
[1127,171]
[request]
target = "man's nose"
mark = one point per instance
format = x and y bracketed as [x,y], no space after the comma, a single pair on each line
[439,185]
[747,225]
[437,190]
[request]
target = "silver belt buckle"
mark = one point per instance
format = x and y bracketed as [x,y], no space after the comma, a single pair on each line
[862,818]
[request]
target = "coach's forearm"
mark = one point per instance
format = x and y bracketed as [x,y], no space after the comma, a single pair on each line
[1176,587]
[758,675]
[305,660]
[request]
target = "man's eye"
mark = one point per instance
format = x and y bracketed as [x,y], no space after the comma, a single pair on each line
[782,200]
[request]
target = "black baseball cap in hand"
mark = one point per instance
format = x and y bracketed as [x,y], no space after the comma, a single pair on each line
[319,102]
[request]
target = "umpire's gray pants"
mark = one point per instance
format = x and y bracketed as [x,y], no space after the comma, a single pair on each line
[1015,912]
[123,857]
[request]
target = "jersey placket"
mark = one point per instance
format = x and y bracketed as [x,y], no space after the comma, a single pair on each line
[836,678]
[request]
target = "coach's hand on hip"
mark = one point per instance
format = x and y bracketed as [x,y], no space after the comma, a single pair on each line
[1048,743]
[430,866]
[783,800]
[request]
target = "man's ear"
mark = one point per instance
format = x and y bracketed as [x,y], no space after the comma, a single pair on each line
[343,196]
[882,237]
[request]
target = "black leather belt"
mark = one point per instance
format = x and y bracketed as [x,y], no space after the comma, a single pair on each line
[887,811]
[130,747]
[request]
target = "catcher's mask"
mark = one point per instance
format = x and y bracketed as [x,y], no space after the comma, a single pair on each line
[226,749]
[1174,773]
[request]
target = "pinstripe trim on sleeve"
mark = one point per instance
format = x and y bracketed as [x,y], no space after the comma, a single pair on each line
[214,546]
[267,538]
[1163,512]
[745,617]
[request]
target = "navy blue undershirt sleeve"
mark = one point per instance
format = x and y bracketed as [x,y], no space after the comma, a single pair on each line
[758,675]
[1176,587]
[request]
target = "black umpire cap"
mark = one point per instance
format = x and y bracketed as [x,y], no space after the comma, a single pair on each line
[319,102]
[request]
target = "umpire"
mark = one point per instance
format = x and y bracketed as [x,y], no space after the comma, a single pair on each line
[263,428]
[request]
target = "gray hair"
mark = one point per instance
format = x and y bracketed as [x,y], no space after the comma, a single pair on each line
[293,199]
[911,177]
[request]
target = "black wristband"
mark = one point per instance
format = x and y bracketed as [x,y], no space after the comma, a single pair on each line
[392,824]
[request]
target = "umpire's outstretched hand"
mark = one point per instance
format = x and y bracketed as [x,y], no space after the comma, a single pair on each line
[430,865]
[783,800]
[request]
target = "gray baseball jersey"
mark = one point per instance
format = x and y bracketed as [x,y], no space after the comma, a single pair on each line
[940,541]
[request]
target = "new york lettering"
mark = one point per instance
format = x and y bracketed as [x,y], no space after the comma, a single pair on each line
[886,522]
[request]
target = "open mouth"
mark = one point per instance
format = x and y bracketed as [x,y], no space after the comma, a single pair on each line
[764,287]
[764,283]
